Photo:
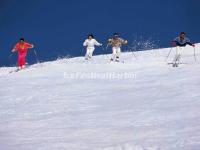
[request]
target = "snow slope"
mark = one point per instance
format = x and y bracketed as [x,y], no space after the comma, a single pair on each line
[71,104]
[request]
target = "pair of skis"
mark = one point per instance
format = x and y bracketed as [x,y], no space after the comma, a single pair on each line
[175,64]
[18,70]
[117,61]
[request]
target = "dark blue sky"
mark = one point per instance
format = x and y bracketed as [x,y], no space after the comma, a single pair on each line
[59,27]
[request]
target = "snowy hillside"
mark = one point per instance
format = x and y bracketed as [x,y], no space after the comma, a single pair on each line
[72,104]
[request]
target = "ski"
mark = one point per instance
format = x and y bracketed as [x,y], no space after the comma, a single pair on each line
[117,61]
[18,70]
[175,65]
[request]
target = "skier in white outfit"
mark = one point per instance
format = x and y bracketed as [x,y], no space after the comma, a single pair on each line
[116,43]
[90,43]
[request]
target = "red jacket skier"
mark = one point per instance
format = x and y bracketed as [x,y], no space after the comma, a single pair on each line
[22,48]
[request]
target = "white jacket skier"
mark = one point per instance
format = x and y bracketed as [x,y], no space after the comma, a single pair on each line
[90,43]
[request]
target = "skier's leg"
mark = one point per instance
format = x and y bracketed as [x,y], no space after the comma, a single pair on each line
[21,60]
[175,57]
[118,53]
[114,50]
[87,54]
[179,55]
[91,50]
[176,60]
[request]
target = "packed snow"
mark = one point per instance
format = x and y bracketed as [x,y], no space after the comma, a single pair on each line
[73,104]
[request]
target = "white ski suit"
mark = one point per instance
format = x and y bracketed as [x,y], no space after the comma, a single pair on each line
[90,47]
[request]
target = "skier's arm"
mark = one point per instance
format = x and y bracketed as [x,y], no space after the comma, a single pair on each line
[175,42]
[14,49]
[124,41]
[97,43]
[109,41]
[189,42]
[85,43]
[30,45]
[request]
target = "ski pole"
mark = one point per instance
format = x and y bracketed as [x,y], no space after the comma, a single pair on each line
[107,47]
[133,52]
[10,57]
[106,50]
[102,48]
[36,56]
[83,49]
[168,54]
[195,55]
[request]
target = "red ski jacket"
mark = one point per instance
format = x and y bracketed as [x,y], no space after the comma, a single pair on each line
[23,47]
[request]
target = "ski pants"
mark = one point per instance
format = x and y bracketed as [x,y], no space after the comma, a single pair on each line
[116,52]
[89,52]
[177,56]
[22,58]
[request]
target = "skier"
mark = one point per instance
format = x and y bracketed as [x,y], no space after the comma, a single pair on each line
[90,43]
[180,42]
[116,43]
[22,48]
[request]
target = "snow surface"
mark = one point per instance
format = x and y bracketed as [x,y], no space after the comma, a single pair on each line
[158,108]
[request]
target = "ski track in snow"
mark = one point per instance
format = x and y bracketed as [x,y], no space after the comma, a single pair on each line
[158,109]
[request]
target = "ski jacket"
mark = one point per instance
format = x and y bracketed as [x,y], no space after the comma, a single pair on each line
[182,42]
[91,43]
[23,47]
[116,42]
